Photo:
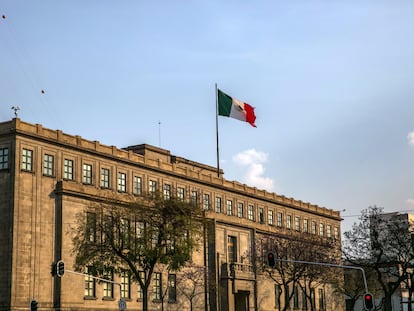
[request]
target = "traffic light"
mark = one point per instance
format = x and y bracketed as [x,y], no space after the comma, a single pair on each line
[33,305]
[60,268]
[271,259]
[368,301]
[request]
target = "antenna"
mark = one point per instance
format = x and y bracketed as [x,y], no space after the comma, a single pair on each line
[16,109]
[159,133]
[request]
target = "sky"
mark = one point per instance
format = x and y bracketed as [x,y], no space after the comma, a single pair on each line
[331,83]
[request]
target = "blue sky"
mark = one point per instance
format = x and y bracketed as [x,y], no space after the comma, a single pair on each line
[331,81]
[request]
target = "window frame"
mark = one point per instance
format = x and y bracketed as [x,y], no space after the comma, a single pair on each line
[105,180]
[87,174]
[48,165]
[68,169]
[27,160]
[4,158]
[121,182]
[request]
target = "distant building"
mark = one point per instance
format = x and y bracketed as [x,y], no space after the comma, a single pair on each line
[47,177]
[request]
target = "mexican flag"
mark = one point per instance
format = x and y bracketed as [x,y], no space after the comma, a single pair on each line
[231,107]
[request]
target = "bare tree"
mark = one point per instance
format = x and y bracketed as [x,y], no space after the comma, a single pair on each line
[191,282]
[137,234]
[382,244]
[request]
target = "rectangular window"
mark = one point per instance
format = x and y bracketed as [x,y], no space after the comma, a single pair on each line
[87,174]
[313,227]
[305,226]
[336,233]
[229,207]
[194,198]
[240,210]
[206,201]
[140,293]
[250,212]
[125,229]
[121,182]
[218,205]
[278,294]
[304,300]
[180,193]
[90,284]
[232,248]
[295,297]
[328,231]
[321,296]
[280,220]
[137,185]
[48,165]
[172,288]
[297,223]
[68,169]
[321,230]
[125,286]
[108,288]
[261,215]
[4,158]
[288,222]
[105,178]
[152,187]
[167,191]
[270,217]
[91,227]
[157,286]
[27,160]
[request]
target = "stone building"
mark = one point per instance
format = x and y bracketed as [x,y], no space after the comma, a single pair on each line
[47,177]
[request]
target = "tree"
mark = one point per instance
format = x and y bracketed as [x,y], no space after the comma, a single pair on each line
[135,234]
[191,281]
[381,243]
[290,274]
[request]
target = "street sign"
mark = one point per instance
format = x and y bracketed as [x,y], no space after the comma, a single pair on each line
[122,305]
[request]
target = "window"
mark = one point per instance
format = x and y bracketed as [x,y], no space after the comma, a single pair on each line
[105,178]
[261,215]
[91,226]
[125,286]
[137,189]
[304,299]
[297,223]
[87,174]
[108,288]
[180,193]
[232,248]
[167,191]
[278,294]
[240,210]
[140,293]
[270,217]
[229,204]
[90,284]
[157,286]
[313,227]
[48,165]
[328,231]
[280,220]
[305,226]
[121,182]
[218,205]
[206,201]
[295,297]
[289,222]
[321,230]
[336,233]
[68,169]
[125,229]
[152,187]
[172,288]
[321,296]
[250,212]
[27,160]
[194,198]
[4,158]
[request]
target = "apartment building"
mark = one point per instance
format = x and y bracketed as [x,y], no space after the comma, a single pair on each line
[47,177]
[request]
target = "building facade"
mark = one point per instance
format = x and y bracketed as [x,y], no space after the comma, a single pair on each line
[48,177]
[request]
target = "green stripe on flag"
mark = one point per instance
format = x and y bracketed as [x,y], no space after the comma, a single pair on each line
[224,104]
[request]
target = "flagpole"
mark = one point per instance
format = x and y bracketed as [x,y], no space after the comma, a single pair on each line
[217,136]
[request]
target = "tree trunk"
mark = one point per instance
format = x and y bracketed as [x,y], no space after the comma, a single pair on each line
[145,299]
[387,303]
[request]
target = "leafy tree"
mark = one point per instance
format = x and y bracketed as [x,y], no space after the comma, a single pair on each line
[135,234]
[381,243]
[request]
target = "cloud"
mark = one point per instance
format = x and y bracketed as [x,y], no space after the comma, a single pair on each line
[410,201]
[253,160]
[410,137]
